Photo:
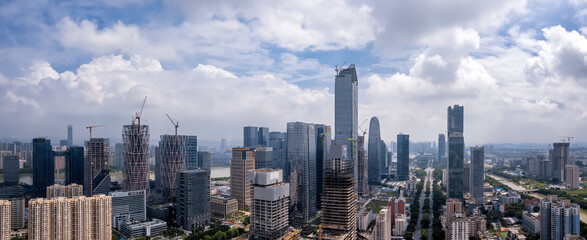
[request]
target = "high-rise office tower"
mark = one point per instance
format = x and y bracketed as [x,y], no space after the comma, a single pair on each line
[204,158]
[250,136]
[300,171]
[339,200]
[11,167]
[69,136]
[118,157]
[263,136]
[456,152]
[346,99]
[323,142]
[68,191]
[172,155]
[374,150]
[43,166]
[191,152]
[363,181]
[264,157]
[75,166]
[277,141]
[467,174]
[572,176]
[441,147]
[403,157]
[242,161]
[383,161]
[382,225]
[270,204]
[223,145]
[136,156]
[128,206]
[477,174]
[71,218]
[5,219]
[193,198]
[158,170]
[97,168]
[558,217]
[559,160]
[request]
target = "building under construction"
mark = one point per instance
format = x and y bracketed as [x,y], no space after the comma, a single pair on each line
[339,199]
[363,181]
[96,167]
[173,153]
[136,156]
[269,205]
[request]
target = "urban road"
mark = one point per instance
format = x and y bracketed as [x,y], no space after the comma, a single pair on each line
[418,233]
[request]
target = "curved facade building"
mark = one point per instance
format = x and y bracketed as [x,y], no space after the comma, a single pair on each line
[374,151]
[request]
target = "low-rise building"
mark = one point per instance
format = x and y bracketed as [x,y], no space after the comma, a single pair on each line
[223,206]
[147,228]
[509,198]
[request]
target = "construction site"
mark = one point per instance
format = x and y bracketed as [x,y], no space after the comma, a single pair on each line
[136,153]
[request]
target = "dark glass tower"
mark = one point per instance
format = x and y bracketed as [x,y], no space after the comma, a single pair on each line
[263,136]
[74,166]
[43,166]
[191,152]
[441,147]
[250,136]
[346,98]
[69,136]
[323,141]
[477,174]
[374,151]
[403,157]
[456,152]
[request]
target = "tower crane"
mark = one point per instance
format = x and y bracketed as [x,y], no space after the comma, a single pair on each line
[175,124]
[90,127]
[138,114]
[363,130]
[568,139]
[337,68]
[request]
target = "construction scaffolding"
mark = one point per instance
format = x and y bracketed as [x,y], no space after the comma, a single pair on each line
[339,201]
[136,156]
[172,150]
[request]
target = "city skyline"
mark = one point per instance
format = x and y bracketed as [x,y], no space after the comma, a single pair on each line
[513,63]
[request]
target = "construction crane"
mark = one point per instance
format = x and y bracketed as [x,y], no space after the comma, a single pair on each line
[337,68]
[363,130]
[90,127]
[175,124]
[138,114]
[568,139]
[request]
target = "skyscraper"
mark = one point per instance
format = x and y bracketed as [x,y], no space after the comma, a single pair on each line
[300,171]
[69,136]
[204,158]
[382,225]
[339,200]
[250,136]
[441,147]
[572,177]
[193,198]
[172,155]
[118,157]
[263,157]
[263,136]
[558,217]
[136,156]
[97,168]
[67,191]
[277,140]
[323,142]
[403,157]
[346,99]
[43,166]
[270,204]
[191,152]
[456,152]
[11,167]
[242,161]
[477,175]
[363,181]
[383,155]
[374,151]
[559,160]
[5,219]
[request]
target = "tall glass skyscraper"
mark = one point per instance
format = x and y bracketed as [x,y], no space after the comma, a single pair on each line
[263,136]
[301,171]
[43,166]
[69,136]
[374,151]
[323,141]
[191,152]
[346,98]
[456,152]
[441,147]
[250,135]
[403,157]
[74,166]
[477,174]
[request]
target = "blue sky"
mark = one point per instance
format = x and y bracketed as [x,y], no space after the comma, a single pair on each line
[518,67]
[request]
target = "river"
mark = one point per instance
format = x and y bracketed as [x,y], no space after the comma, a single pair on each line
[518,187]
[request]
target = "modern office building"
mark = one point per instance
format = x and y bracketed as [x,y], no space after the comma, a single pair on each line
[71,218]
[75,166]
[363,164]
[467,174]
[158,170]
[191,152]
[374,150]
[136,156]
[572,176]
[346,100]
[403,157]
[382,229]
[264,157]
[250,136]
[339,211]
[384,163]
[137,229]
[128,206]
[43,166]
[278,141]
[558,217]
[441,148]
[456,152]
[67,191]
[69,136]
[223,206]
[97,167]
[204,159]
[270,204]
[172,157]
[242,161]
[300,171]
[559,160]
[477,173]
[118,159]
[11,166]
[323,142]
[193,198]
[5,219]
[263,136]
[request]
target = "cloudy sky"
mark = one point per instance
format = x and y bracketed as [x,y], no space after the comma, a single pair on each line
[519,67]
